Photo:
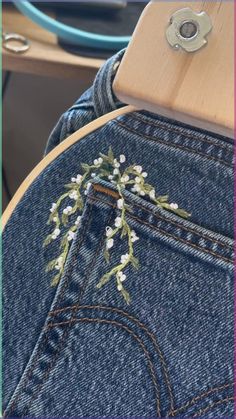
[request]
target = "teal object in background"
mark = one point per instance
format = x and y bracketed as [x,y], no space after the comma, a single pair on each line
[75,36]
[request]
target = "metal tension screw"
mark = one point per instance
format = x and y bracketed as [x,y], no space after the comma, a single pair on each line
[188,29]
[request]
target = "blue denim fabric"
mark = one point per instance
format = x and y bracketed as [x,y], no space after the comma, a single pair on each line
[77,351]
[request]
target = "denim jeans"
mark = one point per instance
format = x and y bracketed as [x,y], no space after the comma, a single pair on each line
[76,351]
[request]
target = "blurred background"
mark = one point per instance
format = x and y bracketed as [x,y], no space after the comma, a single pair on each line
[44,81]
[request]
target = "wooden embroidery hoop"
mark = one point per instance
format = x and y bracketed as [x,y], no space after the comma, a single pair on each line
[190,87]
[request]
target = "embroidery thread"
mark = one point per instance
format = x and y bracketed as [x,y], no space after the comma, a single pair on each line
[105,167]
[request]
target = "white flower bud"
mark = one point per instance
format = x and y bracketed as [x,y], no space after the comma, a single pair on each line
[110,243]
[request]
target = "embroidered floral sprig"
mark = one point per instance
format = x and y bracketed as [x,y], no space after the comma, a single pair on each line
[132,178]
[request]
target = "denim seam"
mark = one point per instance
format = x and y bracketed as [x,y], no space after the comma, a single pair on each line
[211,406]
[136,337]
[183,240]
[53,361]
[172,411]
[45,340]
[201,396]
[177,130]
[202,249]
[158,216]
[141,326]
[177,146]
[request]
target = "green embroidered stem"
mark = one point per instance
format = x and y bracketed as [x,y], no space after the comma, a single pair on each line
[108,168]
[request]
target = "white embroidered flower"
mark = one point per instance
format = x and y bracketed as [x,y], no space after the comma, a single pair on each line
[134,237]
[59,263]
[118,222]
[56,233]
[87,188]
[138,169]
[152,194]
[110,243]
[174,206]
[124,258]
[110,177]
[78,219]
[121,276]
[93,175]
[76,179]
[119,287]
[122,158]
[142,193]
[116,163]
[109,231]
[98,162]
[120,203]
[144,174]
[70,236]
[137,188]
[124,179]
[53,207]
[54,219]
[74,195]
[115,171]
[67,210]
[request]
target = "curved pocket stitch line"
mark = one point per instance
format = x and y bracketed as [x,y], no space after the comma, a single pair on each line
[211,406]
[159,140]
[168,234]
[201,396]
[136,337]
[142,326]
[158,216]
[45,340]
[178,131]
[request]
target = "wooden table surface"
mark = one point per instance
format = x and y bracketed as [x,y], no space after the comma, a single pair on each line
[44,57]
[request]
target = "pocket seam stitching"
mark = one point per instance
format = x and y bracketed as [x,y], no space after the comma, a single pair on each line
[178,131]
[136,337]
[157,216]
[142,326]
[176,146]
[45,340]
[170,235]
[212,405]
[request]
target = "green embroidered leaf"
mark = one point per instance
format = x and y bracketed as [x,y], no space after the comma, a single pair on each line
[163,198]
[71,186]
[182,213]
[51,265]
[106,255]
[126,295]
[135,262]
[64,219]
[85,167]
[124,231]
[47,241]
[110,154]
[55,280]
[103,280]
